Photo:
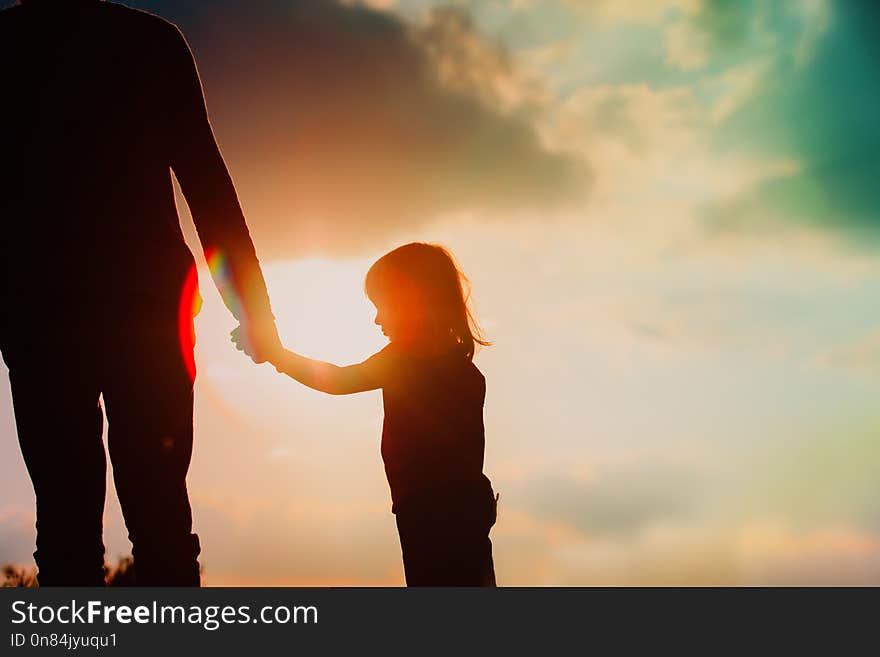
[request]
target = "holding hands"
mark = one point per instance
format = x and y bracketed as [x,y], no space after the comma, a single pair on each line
[259,340]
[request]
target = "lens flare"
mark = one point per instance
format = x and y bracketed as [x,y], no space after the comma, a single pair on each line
[188,308]
[191,303]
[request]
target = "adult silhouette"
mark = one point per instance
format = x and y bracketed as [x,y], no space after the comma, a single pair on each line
[101,103]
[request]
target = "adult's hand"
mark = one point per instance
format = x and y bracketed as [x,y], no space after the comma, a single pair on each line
[259,340]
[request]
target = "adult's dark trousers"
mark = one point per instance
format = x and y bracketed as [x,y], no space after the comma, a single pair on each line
[57,382]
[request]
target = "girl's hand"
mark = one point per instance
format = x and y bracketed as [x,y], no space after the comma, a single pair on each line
[239,339]
[242,343]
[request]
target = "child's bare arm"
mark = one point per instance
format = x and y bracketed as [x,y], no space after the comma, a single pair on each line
[326,377]
[321,376]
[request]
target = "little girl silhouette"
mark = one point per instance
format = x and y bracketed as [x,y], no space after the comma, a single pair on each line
[432,437]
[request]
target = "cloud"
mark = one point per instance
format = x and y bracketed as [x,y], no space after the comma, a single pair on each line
[633,12]
[669,554]
[757,553]
[643,140]
[860,356]
[467,62]
[812,101]
[374,4]
[16,536]
[774,554]
[686,47]
[637,116]
[344,125]
[752,551]
[714,33]
[617,501]
[666,525]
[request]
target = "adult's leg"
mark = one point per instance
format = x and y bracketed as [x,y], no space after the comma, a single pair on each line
[55,395]
[149,398]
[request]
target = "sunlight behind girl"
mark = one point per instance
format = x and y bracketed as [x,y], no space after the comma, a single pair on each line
[321,308]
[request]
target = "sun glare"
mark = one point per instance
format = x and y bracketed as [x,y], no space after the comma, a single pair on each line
[321,309]
[321,312]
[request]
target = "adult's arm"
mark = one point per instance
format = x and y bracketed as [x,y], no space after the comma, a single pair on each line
[216,211]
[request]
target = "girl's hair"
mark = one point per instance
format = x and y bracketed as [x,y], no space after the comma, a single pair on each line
[444,287]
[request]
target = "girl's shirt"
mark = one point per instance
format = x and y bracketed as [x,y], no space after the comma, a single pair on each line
[432,437]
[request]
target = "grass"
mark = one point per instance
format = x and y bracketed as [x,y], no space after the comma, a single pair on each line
[122,574]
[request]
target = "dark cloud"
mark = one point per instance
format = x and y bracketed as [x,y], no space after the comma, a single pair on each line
[340,127]
[727,25]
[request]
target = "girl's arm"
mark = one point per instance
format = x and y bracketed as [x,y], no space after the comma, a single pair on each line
[326,377]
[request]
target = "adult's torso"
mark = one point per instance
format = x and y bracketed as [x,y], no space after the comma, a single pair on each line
[86,200]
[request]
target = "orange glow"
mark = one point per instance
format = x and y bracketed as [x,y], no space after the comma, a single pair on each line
[189,305]
[322,310]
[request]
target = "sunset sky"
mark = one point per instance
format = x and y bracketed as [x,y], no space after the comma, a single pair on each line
[670,215]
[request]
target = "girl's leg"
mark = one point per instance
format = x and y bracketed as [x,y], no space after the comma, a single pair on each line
[445,547]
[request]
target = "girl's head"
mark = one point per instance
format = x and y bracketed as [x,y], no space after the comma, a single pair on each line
[422,296]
